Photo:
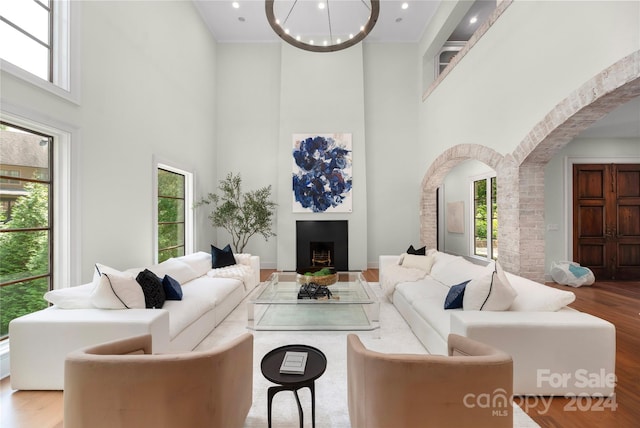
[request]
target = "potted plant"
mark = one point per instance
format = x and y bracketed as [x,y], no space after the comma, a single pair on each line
[241,214]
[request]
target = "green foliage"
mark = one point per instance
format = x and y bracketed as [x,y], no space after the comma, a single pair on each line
[24,254]
[241,214]
[170,210]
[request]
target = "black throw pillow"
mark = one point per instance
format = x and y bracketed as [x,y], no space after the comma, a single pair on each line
[221,258]
[152,288]
[419,252]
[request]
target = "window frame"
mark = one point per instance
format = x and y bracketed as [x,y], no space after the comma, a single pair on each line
[65,52]
[489,178]
[188,204]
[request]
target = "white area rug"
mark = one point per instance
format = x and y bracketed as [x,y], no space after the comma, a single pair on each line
[331,387]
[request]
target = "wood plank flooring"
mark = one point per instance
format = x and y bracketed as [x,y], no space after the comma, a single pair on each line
[617,302]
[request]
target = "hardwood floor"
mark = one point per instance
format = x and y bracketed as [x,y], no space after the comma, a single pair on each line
[617,302]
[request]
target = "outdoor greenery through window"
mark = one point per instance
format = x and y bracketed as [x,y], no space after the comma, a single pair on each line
[485,218]
[28,25]
[26,240]
[171,214]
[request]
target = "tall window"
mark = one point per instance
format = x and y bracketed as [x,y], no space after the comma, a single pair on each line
[174,202]
[485,218]
[26,26]
[37,44]
[26,222]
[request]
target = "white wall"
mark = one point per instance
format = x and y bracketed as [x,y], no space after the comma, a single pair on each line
[266,92]
[392,96]
[145,91]
[247,116]
[533,57]
[558,188]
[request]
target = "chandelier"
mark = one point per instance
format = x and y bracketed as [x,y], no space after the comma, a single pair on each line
[322,25]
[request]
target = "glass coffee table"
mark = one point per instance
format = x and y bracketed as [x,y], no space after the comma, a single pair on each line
[352,305]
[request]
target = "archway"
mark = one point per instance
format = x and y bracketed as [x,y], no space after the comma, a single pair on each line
[521,174]
[436,174]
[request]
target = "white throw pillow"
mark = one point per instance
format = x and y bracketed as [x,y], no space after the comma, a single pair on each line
[418,262]
[78,297]
[117,290]
[536,297]
[491,292]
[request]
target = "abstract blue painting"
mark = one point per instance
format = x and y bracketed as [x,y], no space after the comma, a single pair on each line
[322,180]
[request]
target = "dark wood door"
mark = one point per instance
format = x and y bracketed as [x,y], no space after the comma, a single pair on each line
[606,219]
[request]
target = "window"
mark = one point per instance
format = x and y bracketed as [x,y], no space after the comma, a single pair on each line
[26,221]
[28,24]
[174,228]
[41,50]
[485,218]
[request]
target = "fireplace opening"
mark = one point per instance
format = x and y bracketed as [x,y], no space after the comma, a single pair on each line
[322,243]
[320,253]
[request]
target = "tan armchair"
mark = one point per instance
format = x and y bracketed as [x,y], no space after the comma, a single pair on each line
[470,388]
[120,384]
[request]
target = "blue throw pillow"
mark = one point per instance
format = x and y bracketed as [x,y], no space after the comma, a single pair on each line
[221,258]
[172,288]
[455,296]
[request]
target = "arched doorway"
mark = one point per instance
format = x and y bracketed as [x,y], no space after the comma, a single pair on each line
[521,174]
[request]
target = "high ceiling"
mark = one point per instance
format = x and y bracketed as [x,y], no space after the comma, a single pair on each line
[248,23]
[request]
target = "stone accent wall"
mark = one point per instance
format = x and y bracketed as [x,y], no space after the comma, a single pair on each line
[520,175]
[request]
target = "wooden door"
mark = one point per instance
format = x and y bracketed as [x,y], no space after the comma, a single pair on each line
[606,219]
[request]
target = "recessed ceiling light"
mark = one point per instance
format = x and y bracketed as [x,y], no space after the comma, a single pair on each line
[405,5]
[235,5]
[399,19]
[241,19]
[321,5]
[473,20]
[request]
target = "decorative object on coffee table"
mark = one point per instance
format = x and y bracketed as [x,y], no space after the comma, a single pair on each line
[322,276]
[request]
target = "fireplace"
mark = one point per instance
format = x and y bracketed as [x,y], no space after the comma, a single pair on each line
[322,243]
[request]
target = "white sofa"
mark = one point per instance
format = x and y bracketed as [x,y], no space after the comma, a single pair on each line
[40,341]
[556,350]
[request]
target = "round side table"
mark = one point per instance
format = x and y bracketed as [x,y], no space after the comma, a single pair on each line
[315,367]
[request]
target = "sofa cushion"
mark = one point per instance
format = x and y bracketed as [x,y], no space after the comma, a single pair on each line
[221,258]
[455,296]
[422,289]
[535,297]
[430,309]
[117,290]
[454,270]
[199,296]
[177,269]
[78,297]
[200,262]
[172,288]
[490,292]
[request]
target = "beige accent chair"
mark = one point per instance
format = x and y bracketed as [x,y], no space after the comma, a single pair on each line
[120,384]
[472,387]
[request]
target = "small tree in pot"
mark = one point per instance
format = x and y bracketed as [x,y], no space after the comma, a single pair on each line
[241,214]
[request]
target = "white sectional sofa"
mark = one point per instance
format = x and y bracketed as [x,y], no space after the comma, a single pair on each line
[40,341]
[556,350]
